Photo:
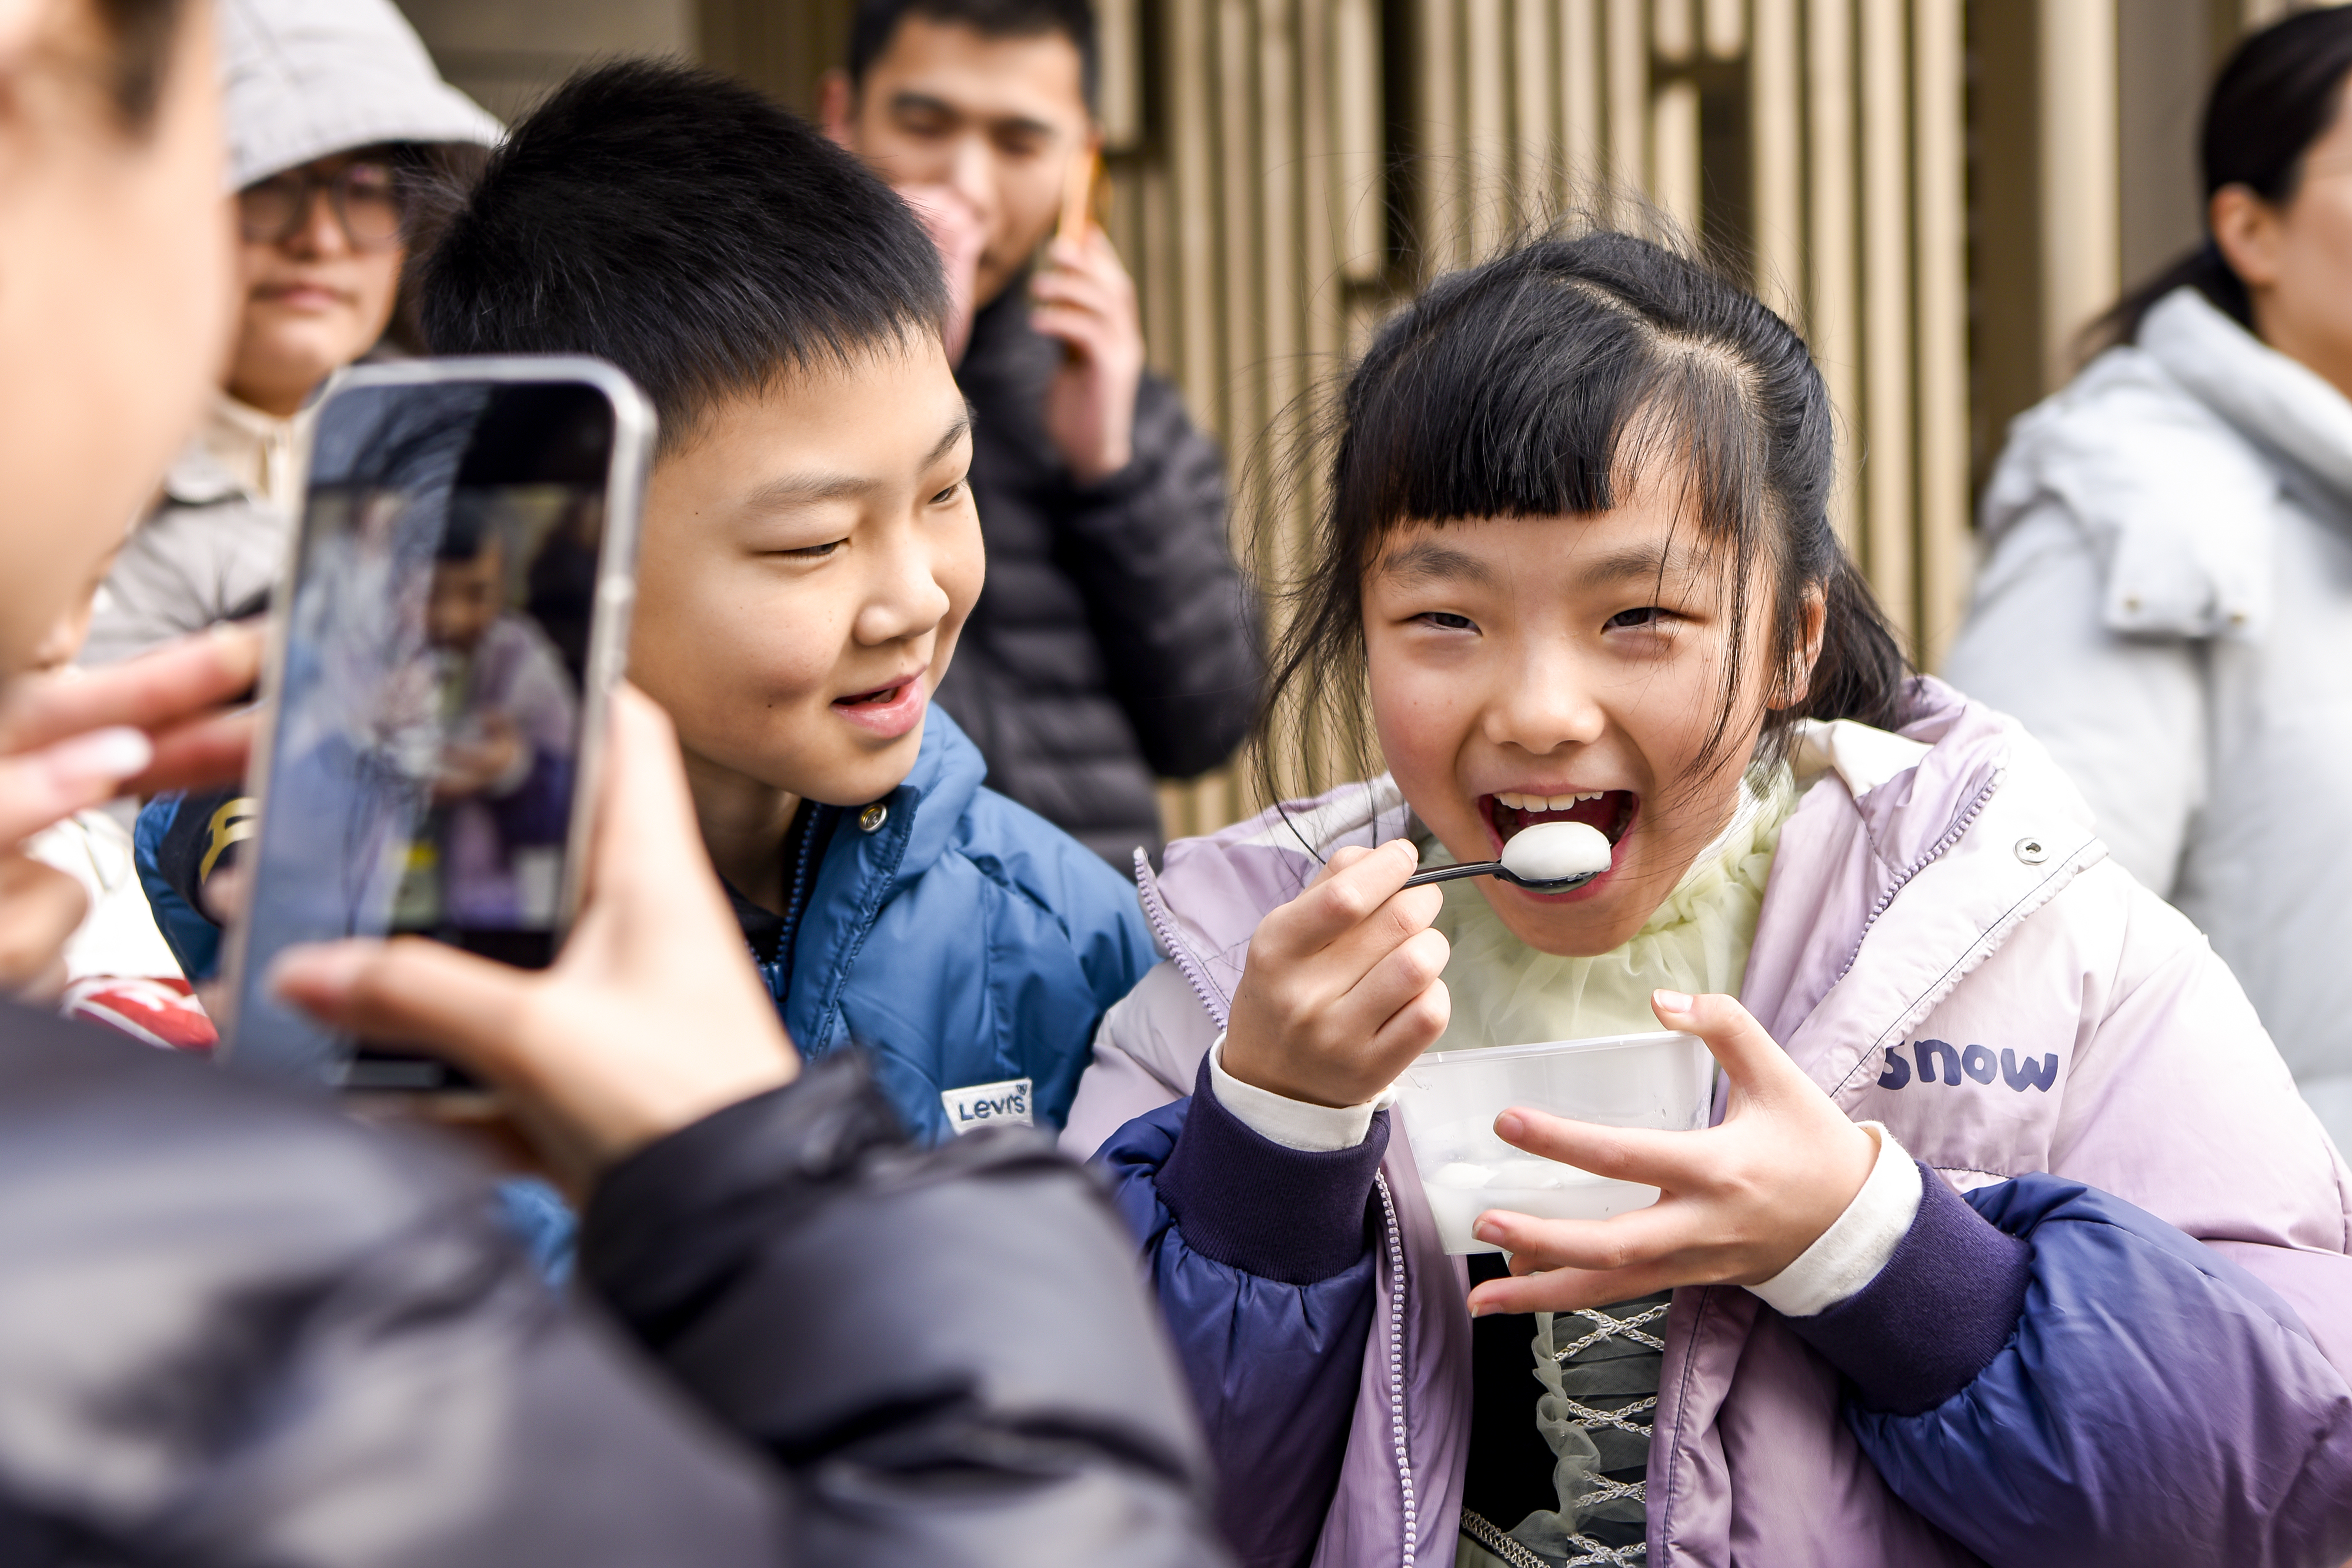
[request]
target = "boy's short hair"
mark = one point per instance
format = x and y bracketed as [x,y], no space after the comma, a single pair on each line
[876,20]
[689,230]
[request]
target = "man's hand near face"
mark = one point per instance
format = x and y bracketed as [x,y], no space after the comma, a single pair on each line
[1085,298]
[957,227]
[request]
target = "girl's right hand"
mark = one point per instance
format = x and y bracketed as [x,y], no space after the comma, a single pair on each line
[1340,990]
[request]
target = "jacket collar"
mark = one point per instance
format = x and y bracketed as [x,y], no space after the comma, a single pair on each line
[197,477]
[2274,402]
[243,454]
[1212,892]
[1006,362]
[866,866]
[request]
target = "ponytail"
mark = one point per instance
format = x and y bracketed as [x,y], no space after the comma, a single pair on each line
[1861,673]
[2203,269]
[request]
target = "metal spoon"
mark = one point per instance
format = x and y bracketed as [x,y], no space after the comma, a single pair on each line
[1549,857]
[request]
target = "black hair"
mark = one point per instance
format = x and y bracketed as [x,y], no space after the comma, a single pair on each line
[472,528]
[2278,94]
[434,180]
[876,20]
[1545,382]
[688,229]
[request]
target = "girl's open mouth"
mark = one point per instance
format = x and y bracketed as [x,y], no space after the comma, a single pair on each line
[1611,811]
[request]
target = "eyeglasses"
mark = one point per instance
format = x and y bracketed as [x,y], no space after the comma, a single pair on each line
[364,199]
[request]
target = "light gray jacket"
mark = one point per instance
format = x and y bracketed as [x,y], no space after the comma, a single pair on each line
[210,552]
[2165,602]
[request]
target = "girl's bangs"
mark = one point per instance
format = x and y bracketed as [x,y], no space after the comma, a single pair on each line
[1469,418]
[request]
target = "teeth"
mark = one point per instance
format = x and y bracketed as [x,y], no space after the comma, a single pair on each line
[1513,802]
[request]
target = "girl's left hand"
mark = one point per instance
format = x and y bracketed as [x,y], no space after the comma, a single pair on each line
[1738,1202]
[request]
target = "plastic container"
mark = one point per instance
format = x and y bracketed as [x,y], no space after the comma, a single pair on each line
[1449,1101]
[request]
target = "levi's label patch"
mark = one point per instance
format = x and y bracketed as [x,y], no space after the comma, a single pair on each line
[984,1104]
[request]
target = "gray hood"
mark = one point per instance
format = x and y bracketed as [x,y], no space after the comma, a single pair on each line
[303,78]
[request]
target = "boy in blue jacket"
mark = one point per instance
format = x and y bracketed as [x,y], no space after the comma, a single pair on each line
[810,551]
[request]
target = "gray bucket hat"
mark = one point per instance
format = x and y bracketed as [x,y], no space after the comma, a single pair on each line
[303,78]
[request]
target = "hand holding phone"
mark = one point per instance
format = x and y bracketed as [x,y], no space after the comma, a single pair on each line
[454,618]
[1083,297]
[651,1019]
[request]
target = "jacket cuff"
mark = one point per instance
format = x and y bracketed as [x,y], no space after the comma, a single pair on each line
[1293,1216]
[1292,1123]
[666,1223]
[1945,1305]
[1853,1251]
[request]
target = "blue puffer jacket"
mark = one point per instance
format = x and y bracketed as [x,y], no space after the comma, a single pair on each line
[963,940]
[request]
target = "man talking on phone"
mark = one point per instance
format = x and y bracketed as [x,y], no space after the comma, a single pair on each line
[1115,639]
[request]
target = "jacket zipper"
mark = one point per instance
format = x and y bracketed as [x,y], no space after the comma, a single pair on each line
[1393,1235]
[882,872]
[1935,851]
[1179,951]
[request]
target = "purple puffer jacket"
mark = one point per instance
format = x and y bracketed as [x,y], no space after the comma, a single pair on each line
[2129,1342]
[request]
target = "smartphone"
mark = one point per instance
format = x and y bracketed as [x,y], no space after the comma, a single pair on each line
[453,618]
[1077,196]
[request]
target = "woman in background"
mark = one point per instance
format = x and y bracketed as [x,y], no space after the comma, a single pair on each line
[2166,597]
[340,133]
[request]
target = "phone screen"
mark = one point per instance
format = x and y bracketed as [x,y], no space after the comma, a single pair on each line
[424,754]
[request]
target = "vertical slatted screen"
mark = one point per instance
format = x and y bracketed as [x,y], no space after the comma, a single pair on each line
[1287,170]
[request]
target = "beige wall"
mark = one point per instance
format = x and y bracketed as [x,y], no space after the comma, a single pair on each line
[2167,52]
[508,52]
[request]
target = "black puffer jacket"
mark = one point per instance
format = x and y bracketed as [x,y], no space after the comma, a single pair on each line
[236,1328]
[1115,639]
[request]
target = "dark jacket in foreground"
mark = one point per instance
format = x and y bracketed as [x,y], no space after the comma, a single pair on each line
[1115,639]
[235,1326]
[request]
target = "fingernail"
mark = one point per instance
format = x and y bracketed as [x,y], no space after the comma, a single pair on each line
[115,752]
[1478,1309]
[1486,1230]
[1509,1125]
[1671,1001]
